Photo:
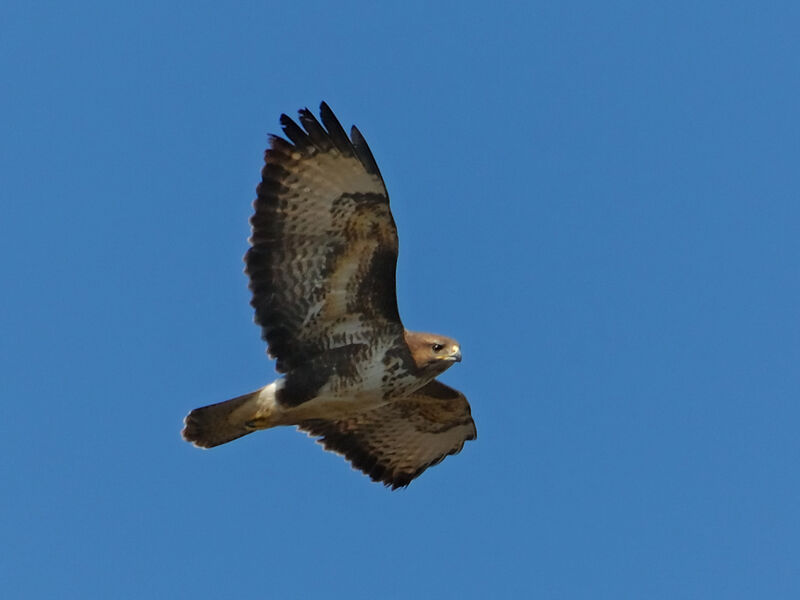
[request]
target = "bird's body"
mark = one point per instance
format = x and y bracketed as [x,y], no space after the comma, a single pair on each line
[322,272]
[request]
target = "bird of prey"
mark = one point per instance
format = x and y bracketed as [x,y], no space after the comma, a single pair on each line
[321,264]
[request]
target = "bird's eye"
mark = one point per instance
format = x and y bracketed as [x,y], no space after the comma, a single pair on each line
[437,347]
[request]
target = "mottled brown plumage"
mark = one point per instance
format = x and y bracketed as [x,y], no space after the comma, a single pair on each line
[322,272]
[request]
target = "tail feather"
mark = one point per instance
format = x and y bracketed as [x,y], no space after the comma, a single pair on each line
[224,422]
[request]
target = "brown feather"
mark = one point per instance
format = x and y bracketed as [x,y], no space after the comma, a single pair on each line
[322,267]
[324,245]
[396,442]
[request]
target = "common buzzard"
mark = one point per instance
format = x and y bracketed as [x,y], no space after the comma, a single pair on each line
[322,272]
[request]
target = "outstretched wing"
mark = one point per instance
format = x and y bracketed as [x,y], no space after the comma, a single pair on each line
[324,244]
[396,442]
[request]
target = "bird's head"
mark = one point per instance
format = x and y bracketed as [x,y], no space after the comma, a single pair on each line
[433,353]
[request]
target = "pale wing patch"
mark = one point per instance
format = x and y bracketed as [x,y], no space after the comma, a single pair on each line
[332,171]
[316,182]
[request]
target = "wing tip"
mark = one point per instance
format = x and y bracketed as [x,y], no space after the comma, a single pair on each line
[328,135]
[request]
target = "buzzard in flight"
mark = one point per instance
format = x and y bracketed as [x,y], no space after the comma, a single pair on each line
[322,272]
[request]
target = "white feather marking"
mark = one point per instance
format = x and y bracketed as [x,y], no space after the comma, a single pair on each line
[313,312]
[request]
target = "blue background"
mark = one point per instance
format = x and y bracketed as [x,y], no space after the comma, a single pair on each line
[599,200]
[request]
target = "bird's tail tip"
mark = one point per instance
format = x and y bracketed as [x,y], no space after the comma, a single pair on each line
[223,422]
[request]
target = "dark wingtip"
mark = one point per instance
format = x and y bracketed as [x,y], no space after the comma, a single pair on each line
[293,131]
[400,483]
[335,130]
[315,135]
[363,152]
[304,115]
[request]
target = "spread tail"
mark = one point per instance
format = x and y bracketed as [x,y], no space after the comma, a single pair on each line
[224,422]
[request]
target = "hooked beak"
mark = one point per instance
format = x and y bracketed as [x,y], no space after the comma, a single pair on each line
[456,355]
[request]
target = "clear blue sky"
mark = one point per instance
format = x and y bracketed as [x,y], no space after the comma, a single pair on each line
[601,201]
